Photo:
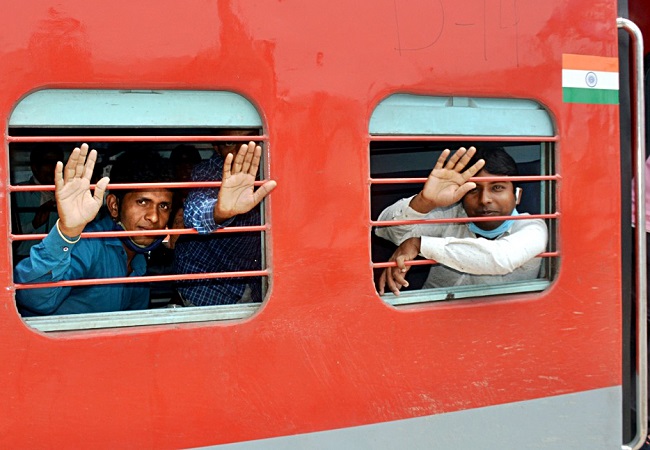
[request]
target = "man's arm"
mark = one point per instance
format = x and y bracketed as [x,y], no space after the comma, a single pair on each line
[198,212]
[50,260]
[476,256]
[208,209]
[399,210]
[446,185]
[480,256]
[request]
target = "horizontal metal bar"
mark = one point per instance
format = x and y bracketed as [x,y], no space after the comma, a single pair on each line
[457,138]
[522,178]
[85,138]
[129,186]
[415,262]
[430,262]
[143,279]
[388,223]
[164,232]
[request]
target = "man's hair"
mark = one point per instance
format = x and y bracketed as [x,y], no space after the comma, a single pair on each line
[185,153]
[497,161]
[45,154]
[139,165]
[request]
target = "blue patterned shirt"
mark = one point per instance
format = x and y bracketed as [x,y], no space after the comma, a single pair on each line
[227,252]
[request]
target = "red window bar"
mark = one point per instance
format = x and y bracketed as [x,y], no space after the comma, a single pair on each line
[142,186]
[421,181]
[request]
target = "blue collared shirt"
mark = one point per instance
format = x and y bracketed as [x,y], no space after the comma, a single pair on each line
[228,252]
[53,259]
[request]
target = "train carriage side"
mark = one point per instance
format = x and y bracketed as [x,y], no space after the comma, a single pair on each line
[353,101]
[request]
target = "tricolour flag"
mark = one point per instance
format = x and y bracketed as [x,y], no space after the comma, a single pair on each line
[589,79]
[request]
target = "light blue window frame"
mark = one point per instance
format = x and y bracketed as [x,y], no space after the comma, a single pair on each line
[419,115]
[89,108]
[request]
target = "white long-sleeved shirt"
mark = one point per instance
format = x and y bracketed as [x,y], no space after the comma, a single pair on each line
[463,257]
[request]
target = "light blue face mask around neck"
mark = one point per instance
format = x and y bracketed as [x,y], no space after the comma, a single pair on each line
[498,231]
[130,243]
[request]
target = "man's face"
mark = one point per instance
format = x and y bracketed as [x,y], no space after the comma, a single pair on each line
[144,210]
[183,171]
[490,199]
[225,147]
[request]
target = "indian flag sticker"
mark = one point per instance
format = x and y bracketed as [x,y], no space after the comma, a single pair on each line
[589,79]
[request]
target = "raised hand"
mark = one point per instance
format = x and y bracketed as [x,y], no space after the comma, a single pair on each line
[76,205]
[237,194]
[447,182]
[395,277]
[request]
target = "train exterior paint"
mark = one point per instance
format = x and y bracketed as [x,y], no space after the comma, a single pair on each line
[325,362]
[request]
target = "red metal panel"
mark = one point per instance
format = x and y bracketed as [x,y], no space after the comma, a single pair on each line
[324,351]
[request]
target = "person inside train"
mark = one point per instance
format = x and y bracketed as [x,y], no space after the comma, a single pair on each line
[183,158]
[36,211]
[63,255]
[227,252]
[160,261]
[481,252]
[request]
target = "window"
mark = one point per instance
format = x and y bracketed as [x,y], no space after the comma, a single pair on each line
[409,132]
[117,122]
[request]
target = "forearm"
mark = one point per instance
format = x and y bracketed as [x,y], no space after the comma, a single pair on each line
[479,256]
[401,210]
[48,261]
[422,205]
[220,217]
[397,211]
[70,233]
[199,211]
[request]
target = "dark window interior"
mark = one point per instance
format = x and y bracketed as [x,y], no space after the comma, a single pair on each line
[160,260]
[415,159]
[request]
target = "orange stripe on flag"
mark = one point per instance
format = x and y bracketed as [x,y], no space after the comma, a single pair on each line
[588,62]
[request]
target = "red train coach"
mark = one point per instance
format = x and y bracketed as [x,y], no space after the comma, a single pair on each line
[352,102]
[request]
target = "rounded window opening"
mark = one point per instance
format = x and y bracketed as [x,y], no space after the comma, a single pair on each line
[156,244]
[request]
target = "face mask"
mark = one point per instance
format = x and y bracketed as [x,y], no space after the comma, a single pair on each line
[141,249]
[498,231]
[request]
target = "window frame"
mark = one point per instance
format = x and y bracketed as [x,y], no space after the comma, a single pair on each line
[408,119]
[234,112]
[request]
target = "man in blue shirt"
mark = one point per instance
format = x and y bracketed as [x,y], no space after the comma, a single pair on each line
[228,252]
[63,255]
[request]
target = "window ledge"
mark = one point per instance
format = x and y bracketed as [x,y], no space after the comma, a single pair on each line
[458,292]
[160,316]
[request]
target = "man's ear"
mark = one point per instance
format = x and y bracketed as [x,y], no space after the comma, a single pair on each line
[518,192]
[113,205]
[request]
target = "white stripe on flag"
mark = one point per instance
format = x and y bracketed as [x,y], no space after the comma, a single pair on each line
[589,79]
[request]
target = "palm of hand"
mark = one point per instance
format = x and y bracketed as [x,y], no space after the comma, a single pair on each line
[236,193]
[77,206]
[443,186]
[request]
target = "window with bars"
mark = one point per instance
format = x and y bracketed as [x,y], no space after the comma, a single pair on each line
[408,133]
[50,123]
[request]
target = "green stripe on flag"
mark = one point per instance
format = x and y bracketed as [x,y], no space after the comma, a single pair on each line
[584,95]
